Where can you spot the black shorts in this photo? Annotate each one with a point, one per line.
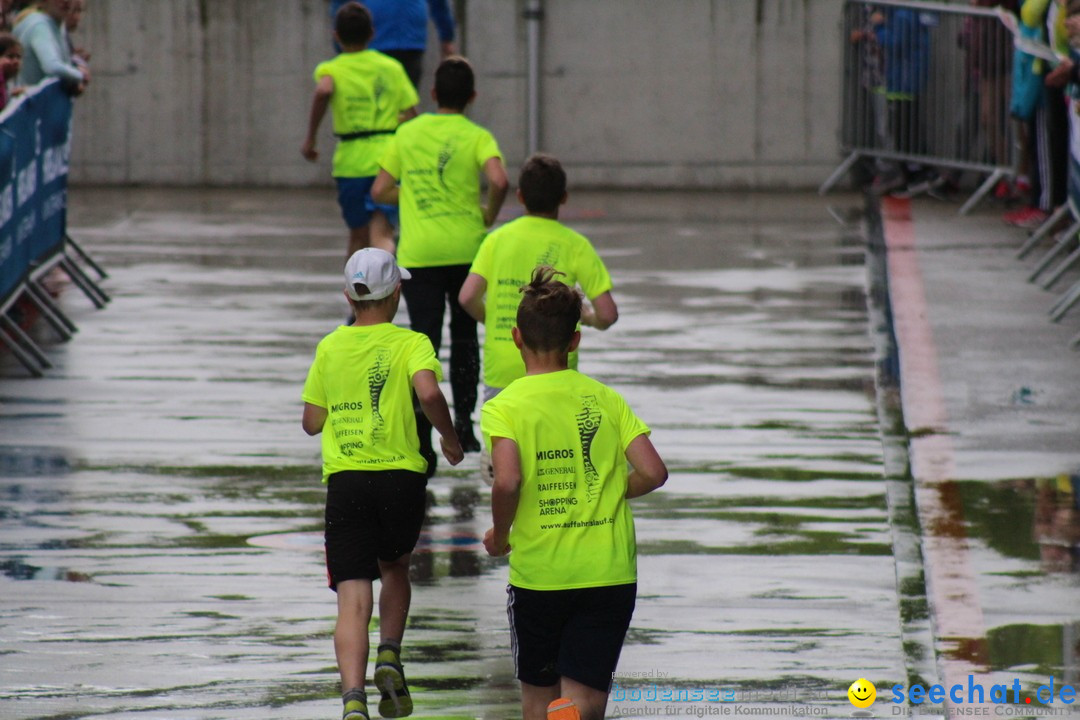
(371, 516)
(569, 633)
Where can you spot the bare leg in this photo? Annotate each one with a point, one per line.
(394, 598)
(358, 238)
(590, 702)
(351, 632)
(535, 700)
(382, 233)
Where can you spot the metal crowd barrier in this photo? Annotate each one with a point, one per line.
(35, 145)
(928, 84)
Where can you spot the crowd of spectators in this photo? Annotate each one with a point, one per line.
(1018, 88)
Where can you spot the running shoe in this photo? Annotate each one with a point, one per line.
(355, 710)
(563, 709)
(390, 679)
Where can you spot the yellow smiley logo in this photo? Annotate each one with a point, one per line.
(862, 693)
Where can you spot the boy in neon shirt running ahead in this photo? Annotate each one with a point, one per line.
(438, 159)
(507, 258)
(358, 394)
(368, 94)
(560, 443)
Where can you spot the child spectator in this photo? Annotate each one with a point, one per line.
(10, 60)
(439, 158)
(560, 443)
(507, 258)
(358, 394)
(368, 94)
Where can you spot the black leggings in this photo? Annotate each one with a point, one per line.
(426, 295)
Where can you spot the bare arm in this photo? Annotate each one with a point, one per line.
(603, 313)
(505, 493)
(407, 115)
(433, 403)
(471, 296)
(314, 419)
(319, 103)
(649, 471)
(385, 189)
(498, 185)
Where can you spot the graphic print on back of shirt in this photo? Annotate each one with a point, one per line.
(379, 90)
(377, 376)
(446, 154)
(588, 422)
(549, 258)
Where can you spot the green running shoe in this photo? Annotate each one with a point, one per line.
(355, 710)
(390, 679)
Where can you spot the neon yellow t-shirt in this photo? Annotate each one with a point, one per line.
(370, 91)
(573, 526)
(438, 157)
(363, 376)
(506, 260)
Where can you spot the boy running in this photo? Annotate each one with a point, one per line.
(358, 394)
(560, 442)
(506, 261)
(438, 159)
(368, 94)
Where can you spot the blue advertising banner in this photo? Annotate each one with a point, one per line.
(34, 159)
(12, 266)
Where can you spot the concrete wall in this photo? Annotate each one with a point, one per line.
(657, 93)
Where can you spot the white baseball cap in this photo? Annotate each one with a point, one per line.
(375, 268)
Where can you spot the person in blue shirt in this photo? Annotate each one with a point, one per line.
(401, 30)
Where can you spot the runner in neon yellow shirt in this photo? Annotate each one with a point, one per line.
(560, 442)
(359, 396)
(438, 159)
(368, 94)
(506, 261)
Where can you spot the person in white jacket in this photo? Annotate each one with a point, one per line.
(46, 49)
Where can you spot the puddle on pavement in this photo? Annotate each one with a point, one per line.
(766, 563)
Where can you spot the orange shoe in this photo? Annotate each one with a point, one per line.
(563, 709)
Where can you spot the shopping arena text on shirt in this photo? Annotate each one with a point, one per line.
(974, 692)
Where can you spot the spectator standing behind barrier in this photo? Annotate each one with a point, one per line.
(7, 13)
(873, 126)
(989, 50)
(1048, 129)
(12, 11)
(904, 37)
(368, 95)
(401, 30)
(79, 55)
(10, 60)
(46, 52)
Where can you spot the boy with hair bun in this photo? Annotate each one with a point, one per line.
(560, 443)
(359, 395)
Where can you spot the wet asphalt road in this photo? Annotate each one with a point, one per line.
(160, 507)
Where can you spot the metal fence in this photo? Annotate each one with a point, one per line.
(928, 84)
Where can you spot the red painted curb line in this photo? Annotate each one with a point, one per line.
(952, 591)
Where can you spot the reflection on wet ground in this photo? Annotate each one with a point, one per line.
(162, 466)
